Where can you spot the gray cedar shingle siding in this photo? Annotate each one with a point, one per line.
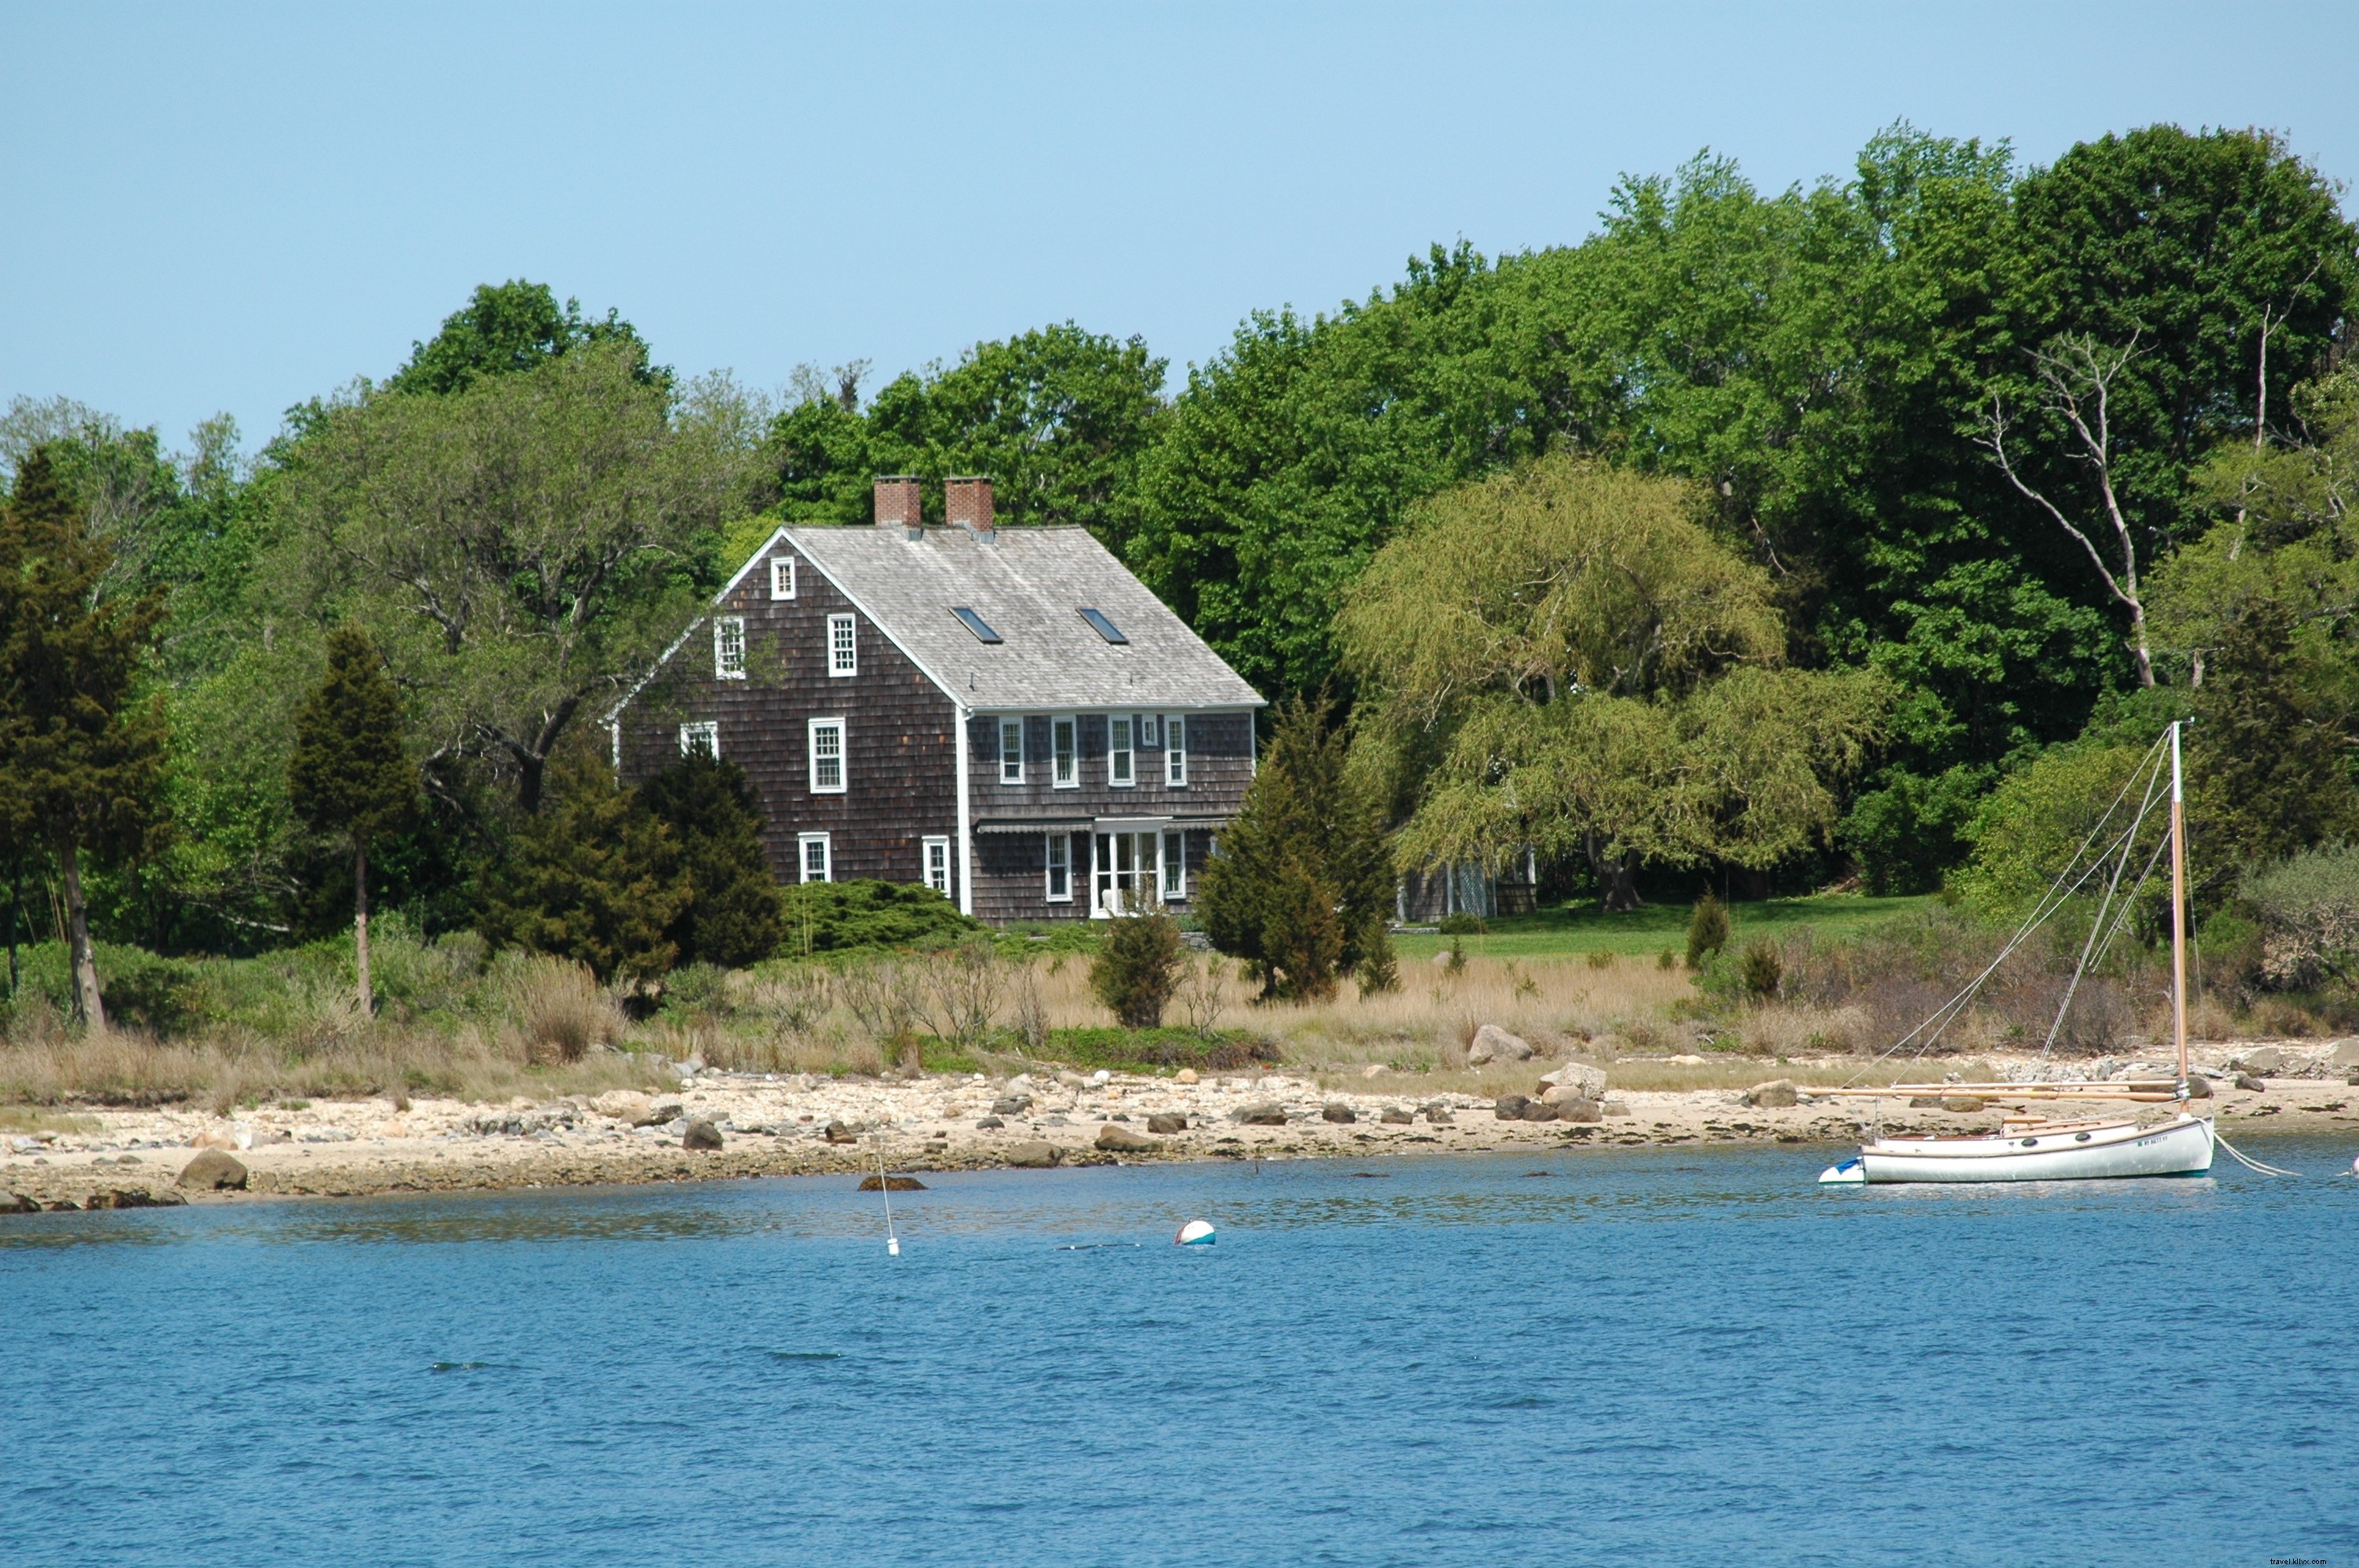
(915, 658)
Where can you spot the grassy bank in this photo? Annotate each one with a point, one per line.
(1582, 927)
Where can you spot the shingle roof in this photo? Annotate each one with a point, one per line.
(1030, 584)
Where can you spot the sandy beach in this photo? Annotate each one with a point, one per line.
(796, 1125)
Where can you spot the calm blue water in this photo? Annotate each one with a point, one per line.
(1640, 1358)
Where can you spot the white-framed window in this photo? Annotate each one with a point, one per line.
(1175, 866)
(729, 647)
(1145, 731)
(1119, 771)
(1011, 750)
(1061, 868)
(1175, 751)
(815, 857)
(843, 645)
(1125, 871)
(701, 739)
(1065, 752)
(782, 577)
(827, 762)
(936, 855)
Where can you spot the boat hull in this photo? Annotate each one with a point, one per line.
(2181, 1148)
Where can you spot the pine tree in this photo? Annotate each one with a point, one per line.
(593, 877)
(81, 752)
(349, 775)
(1300, 886)
(2267, 749)
(715, 820)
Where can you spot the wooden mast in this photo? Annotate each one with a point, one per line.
(2177, 912)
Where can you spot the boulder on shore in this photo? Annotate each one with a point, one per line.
(2268, 1059)
(1338, 1112)
(662, 1114)
(1262, 1113)
(1397, 1116)
(700, 1134)
(212, 1172)
(1579, 1110)
(1493, 1043)
(1772, 1096)
(892, 1184)
(988, 1123)
(1034, 1155)
(2198, 1087)
(2246, 1081)
(1167, 1122)
(837, 1132)
(1961, 1102)
(2347, 1054)
(1574, 1080)
(1615, 1107)
(1123, 1140)
(1510, 1107)
(1538, 1110)
(1011, 1105)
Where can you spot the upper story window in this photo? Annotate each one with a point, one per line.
(1175, 751)
(1011, 750)
(827, 756)
(701, 739)
(1118, 751)
(782, 577)
(729, 647)
(843, 645)
(1064, 752)
(974, 624)
(1103, 627)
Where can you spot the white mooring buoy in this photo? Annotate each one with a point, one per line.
(1195, 1233)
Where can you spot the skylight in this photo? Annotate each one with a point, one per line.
(976, 624)
(1103, 627)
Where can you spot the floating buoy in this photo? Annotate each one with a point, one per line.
(1195, 1233)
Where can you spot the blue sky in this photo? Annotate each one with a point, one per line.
(236, 207)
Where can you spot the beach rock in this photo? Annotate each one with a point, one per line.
(1771, 1095)
(1962, 1103)
(1338, 1112)
(1924, 1102)
(987, 1123)
(1493, 1043)
(2266, 1060)
(1071, 1080)
(660, 1115)
(135, 1197)
(1034, 1155)
(17, 1203)
(1168, 1122)
(1397, 1116)
(1510, 1107)
(1184, 1075)
(1575, 1078)
(1122, 1140)
(836, 1133)
(2246, 1081)
(1438, 1116)
(213, 1138)
(2198, 1087)
(1262, 1113)
(892, 1184)
(700, 1134)
(1538, 1110)
(1011, 1105)
(2345, 1053)
(213, 1170)
(623, 1105)
(1614, 1107)
(1577, 1109)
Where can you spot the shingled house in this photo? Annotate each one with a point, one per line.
(1007, 715)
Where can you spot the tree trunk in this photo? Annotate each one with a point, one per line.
(87, 1000)
(360, 927)
(1617, 876)
(16, 908)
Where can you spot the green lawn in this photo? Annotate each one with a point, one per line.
(1581, 927)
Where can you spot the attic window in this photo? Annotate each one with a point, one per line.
(974, 624)
(1103, 627)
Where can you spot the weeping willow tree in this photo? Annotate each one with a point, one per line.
(1566, 657)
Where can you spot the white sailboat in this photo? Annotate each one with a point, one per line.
(2028, 1147)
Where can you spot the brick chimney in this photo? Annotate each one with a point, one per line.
(966, 504)
(898, 504)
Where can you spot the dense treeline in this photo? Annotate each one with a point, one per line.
(1934, 486)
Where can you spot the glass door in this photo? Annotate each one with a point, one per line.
(1127, 871)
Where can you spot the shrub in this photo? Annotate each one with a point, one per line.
(1760, 968)
(837, 918)
(1379, 967)
(1462, 924)
(563, 1009)
(1666, 958)
(2308, 910)
(1707, 930)
(962, 989)
(1138, 968)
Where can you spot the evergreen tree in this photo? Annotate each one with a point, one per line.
(348, 774)
(714, 818)
(81, 752)
(593, 878)
(1302, 886)
(2269, 775)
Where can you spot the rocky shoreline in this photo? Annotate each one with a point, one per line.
(717, 1125)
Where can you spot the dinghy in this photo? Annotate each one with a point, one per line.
(2029, 1148)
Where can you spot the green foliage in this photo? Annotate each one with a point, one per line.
(593, 879)
(1300, 885)
(1760, 968)
(1907, 830)
(1462, 924)
(1138, 967)
(714, 817)
(2029, 828)
(1058, 419)
(1164, 1048)
(515, 326)
(2308, 907)
(2270, 747)
(846, 916)
(348, 774)
(1707, 930)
